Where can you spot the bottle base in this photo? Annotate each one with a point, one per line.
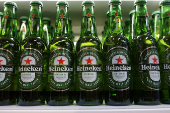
(89, 103)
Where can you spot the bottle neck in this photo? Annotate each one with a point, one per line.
(9, 22)
(88, 26)
(156, 26)
(23, 29)
(115, 19)
(141, 20)
(35, 21)
(132, 26)
(165, 19)
(62, 24)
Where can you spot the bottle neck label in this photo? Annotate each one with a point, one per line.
(89, 69)
(6, 68)
(30, 70)
(118, 68)
(23, 30)
(60, 69)
(149, 69)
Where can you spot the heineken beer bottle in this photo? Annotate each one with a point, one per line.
(89, 60)
(146, 70)
(31, 69)
(132, 23)
(127, 29)
(156, 25)
(1, 16)
(116, 51)
(47, 32)
(164, 51)
(9, 48)
(61, 61)
(23, 30)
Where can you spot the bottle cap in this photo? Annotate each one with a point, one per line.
(23, 18)
(88, 2)
(36, 2)
(164, 2)
(11, 3)
(131, 12)
(155, 12)
(62, 3)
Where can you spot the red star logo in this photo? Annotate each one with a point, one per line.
(117, 20)
(89, 60)
(146, 14)
(23, 29)
(88, 15)
(0, 61)
(91, 24)
(119, 60)
(116, 14)
(27, 61)
(169, 13)
(62, 16)
(154, 60)
(6, 16)
(32, 16)
(61, 61)
(59, 26)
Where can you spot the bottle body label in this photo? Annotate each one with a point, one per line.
(118, 68)
(31, 69)
(6, 68)
(166, 66)
(89, 69)
(149, 69)
(60, 69)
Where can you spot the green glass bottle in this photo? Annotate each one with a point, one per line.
(1, 16)
(151, 26)
(47, 30)
(89, 60)
(70, 29)
(116, 51)
(105, 32)
(164, 50)
(60, 89)
(9, 48)
(132, 25)
(127, 28)
(31, 70)
(52, 32)
(156, 25)
(146, 70)
(23, 30)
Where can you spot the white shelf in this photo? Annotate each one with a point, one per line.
(86, 109)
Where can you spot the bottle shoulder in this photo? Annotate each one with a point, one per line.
(88, 41)
(164, 41)
(116, 40)
(33, 42)
(144, 40)
(61, 42)
(8, 42)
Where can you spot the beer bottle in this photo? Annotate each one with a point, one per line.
(23, 30)
(52, 32)
(61, 61)
(151, 26)
(127, 28)
(1, 16)
(146, 70)
(132, 22)
(89, 60)
(164, 50)
(9, 48)
(31, 69)
(105, 32)
(47, 30)
(156, 25)
(70, 29)
(118, 81)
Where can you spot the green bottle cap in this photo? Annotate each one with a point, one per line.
(1, 14)
(155, 12)
(138, 1)
(127, 21)
(23, 18)
(164, 2)
(62, 3)
(114, 1)
(46, 19)
(131, 12)
(11, 3)
(88, 2)
(36, 2)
